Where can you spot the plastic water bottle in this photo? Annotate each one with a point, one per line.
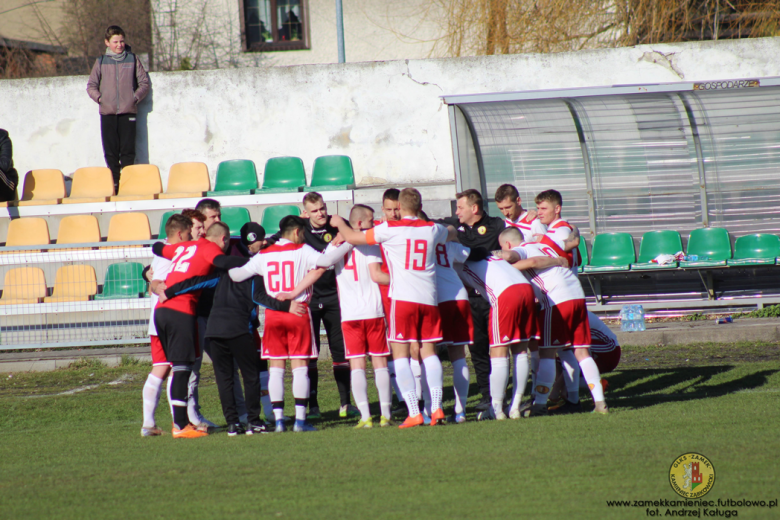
(640, 318)
(632, 318)
(626, 319)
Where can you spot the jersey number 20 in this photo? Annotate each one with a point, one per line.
(287, 273)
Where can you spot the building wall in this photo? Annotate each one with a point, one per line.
(38, 22)
(388, 116)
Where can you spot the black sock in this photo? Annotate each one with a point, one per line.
(179, 390)
(314, 379)
(341, 374)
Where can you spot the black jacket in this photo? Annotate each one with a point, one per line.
(482, 234)
(8, 175)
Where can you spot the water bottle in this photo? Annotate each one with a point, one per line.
(625, 321)
(691, 258)
(640, 318)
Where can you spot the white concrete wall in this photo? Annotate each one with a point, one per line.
(387, 116)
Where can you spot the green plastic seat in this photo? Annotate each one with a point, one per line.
(283, 174)
(713, 243)
(236, 177)
(654, 243)
(235, 217)
(163, 235)
(611, 252)
(272, 215)
(759, 249)
(333, 172)
(123, 280)
(583, 248)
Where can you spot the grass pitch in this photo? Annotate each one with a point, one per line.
(70, 448)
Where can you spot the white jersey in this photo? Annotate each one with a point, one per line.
(602, 340)
(555, 235)
(528, 227)
(282, 266)
(410, 250)
(359, 295)
(491, 277)
(160, 269)
(556, 284)
(448, 285)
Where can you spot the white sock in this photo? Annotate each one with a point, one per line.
(168, 384)
(417, 373)
(590, 371)
(520, 362)
(434, 375)
(460, 380)
(300, 389)
(382, 380)
(192, 400)
(276, 390)
(534, 367)
(426, 392)
(544, 381)
(265, 397)
(499, 375)
(391, 370)
(151, 396)
(403, 374)
(571, 374)
(360, 392)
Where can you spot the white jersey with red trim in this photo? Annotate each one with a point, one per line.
(555, 236)
(556, 284)
(359, 295)
(160, 269)
(602, 339)
(528, 227)
(448, 285)
(409, 245)
(283, 265)
(491, 277)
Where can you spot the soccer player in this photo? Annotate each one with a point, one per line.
(549, 204)
(175, 319)
(415, 322)
(509, 203)
(283, 266)
(564, 321)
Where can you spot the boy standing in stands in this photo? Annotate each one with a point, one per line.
(118, 82)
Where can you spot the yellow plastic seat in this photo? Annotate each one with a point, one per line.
(187, 179)
(139, 182)
(42, 188)
(27, 231)
(78, 229)
(74, 283)
(124, 227)
(92, 184)
(23, 285)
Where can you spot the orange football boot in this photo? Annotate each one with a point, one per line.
(437, 417)
(410, 421)
(188, 432)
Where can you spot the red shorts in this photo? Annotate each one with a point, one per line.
(513, 318)
(365, 337)
(607, 361)
(158, 354)
(565, 325)
(384, 291)
(411, 321)
(288, 336)
(457, 324)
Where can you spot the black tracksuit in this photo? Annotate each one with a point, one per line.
(483, 234)
(9, 178)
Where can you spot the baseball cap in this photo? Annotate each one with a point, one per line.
(251, 232)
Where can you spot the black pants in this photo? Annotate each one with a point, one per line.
(244, 350)
(329, 314)
(7, 192)
(480, 350)
(118, 134)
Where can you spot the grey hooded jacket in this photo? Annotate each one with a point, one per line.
(118, 86)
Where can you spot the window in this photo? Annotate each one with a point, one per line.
(275, 25)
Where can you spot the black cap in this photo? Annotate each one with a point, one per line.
(251, 232)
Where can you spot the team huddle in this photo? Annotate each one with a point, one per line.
(407, 287)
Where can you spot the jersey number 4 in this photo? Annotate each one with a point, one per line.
(416, 254)
(281, 275)
(349, 263)
(180, 261)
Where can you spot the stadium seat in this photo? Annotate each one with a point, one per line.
(583, 248)
(759, 249)
(272, 215)
(332, 172)
(123, 280)
(187, 179)
(654, 243)
(74, 283)
(236, 177)
(23, 285)
(713, 243)
(42, 188)
(27, 231)
(78, 229)
(611, 252)
(283, 174)
(139, 182)
(162, 234)
(94, 184)
(235, 218)
(124, 227)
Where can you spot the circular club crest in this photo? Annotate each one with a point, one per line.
(481, 230)
(327, 237)
(692, 475)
